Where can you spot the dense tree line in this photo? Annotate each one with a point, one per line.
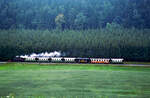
(80, 28)
(73, 14)
(131, 44)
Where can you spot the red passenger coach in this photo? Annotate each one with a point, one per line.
(100, 61)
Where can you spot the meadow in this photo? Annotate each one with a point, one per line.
(22, 80)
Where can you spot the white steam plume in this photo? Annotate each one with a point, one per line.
(46, 54)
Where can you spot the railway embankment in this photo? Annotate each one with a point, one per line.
(125, 64)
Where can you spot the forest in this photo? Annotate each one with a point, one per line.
(80, 28)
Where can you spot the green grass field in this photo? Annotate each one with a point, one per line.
(73, 81)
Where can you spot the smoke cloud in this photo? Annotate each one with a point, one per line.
(44, 54)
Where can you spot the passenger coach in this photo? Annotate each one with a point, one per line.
(98, 60)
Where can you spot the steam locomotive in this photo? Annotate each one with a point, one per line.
(70, 60)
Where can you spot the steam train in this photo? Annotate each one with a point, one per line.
(70, 60)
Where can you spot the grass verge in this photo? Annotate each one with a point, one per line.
(73, 81)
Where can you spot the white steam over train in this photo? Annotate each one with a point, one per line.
(54, 57)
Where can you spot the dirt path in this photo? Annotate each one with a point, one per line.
(146, 65)
(1, 63)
